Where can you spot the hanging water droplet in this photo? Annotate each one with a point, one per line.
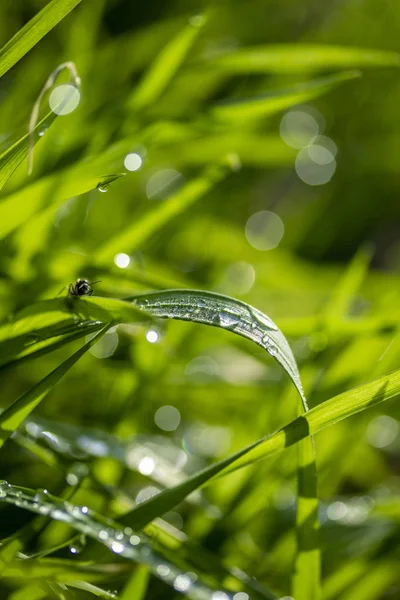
(4, 486)
(78, 545)
(43, 130)
(266, 340)
(102, 187)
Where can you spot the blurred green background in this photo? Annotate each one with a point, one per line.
(303, 224)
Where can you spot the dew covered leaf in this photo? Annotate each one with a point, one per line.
(227, 313)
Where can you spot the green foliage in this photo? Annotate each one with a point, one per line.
(144, 458)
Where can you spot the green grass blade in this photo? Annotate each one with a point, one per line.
(136, 587)
(324, 415)
(13, 156)
(269, 104)
(306, 578)
(13, 416)
(20, 206)
(29, 35)
(299, 58)
(165, 66)
(140, 231)
(227, 313)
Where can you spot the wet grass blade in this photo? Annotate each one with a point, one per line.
(226, 313)
(121, 541)
(262, 106)
(293, 58)
(13, 416)
(33, 31)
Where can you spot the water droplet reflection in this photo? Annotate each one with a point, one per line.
(264, 230)
(64, 99)
(122, 260)
(315, 165)
(298, 128)
(167, 418)
(133, 161)
(152, 336)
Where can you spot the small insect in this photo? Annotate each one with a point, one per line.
(81, 287)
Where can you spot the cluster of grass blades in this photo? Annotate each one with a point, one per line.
(236, 543)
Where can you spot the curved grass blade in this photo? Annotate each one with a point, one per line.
(299, 58)
(13, 416)
(227, 313)
(151, 222)
(318, 418)
(166, 65)
(268, 104)
(13, 156)
(33, 31)
(246, 321)
(122, 541)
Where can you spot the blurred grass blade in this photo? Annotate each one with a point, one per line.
(227, 313)
(13, 157)
(137, 585)
(141, 229)
(299, 58)
(20, 206)
(13, 416)
(29, 35)
(324, 415)
(275, 101)
(165, 66)
(346, 289)
(306, 578)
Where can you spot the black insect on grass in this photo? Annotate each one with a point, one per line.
(82, 287)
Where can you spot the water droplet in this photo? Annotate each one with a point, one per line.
(272, 349)
(263, 320)
(42, 131)
(31, 339)
(134, 540)
(78, 545)
(41, 496)
(163, 570)
(4, 486)
(266, 340)
(102, 187)
(227, 320)
(117, 547)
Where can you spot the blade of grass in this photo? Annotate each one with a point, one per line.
(165, 66)
(13, 416)
(13, 156)
(137, 585)
(140, 231)
(294, 58)
(275, 101)
(29, 35)
(318, 418)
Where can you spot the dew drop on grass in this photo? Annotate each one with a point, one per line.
(43, 130)
(78, 545)
(102, 187)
